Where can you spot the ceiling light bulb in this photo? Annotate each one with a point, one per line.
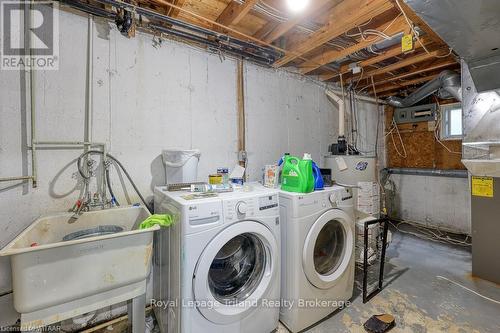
(297, 5)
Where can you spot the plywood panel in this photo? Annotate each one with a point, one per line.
(447, 160)
(422, 148)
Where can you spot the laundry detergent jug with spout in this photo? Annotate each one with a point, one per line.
(297, 175)
(318, 178)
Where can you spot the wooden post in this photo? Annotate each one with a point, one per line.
(241, 114)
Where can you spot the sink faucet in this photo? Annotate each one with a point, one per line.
(90, 203)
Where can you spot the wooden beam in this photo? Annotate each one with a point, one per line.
(400, 64)
(234, 12)
(389, 53)
(284, 27)
(441, 65)
(391, 28)
(344, 69)
(231, 30)
(265, 30)
(345, 16)
(403, 84)
(174, 12)
(240, 89)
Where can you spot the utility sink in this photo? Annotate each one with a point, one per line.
(64, 265)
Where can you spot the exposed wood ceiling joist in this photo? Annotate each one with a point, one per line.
(400, 85)
(284, 27)
(174, 12)
(336, 22)
(390, 28)
(266, 29)
(389, 53)
(400, 64)
(344, 17)
(440, 65)
(234, 12)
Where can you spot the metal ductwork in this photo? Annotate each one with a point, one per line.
(471, 28)
(447, 80)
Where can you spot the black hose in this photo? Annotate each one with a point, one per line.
(110, 189)
(98, 152)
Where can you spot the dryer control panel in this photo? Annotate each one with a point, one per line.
(250, 207)
(341, 198)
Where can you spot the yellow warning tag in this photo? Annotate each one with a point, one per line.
(407, 43)
(482, 186)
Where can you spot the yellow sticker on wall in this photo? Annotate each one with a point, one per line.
(482, 186)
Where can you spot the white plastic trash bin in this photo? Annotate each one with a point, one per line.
(181, 166)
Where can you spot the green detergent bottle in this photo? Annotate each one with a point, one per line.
(297, 174)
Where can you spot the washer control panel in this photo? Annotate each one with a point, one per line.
(241, 208)
(268, 202)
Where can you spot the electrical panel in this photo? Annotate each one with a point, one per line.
(415, 114)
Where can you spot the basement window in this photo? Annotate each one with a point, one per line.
(451, 121)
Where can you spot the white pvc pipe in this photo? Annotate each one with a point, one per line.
(90, 72)
(362, 97)
(340, 103)
(34, 165)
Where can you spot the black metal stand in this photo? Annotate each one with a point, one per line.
(384, 222)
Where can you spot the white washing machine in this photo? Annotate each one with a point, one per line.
(317, 255)
(216, 269)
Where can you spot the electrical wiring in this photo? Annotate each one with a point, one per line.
(377, 175)
(366, 23)
(416, 33)
(354, 119)
(370, 48)
(306, 27)
(361, 77)
(268, 10)
(437, 134)
(468, 289)
(427, 233)
(394, 128)
(373, 31)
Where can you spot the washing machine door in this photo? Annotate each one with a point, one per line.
(234, 271)
(328, 248)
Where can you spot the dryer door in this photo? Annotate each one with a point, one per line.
(328, 248)
(234, 271)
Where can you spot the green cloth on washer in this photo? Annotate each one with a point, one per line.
(163, 220)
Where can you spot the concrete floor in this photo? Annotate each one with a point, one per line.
(419, 300)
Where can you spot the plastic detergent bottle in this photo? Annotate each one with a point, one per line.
(283, 158)
(297, 175)
(318, 179)
(280, 164)
(306, 166)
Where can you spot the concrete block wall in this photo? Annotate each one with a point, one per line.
(145, 99)
(437, 201)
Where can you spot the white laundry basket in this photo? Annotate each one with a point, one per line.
(181, 166)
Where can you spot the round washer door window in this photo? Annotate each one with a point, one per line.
(328, 248)
(234, 271)
(237, 269)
